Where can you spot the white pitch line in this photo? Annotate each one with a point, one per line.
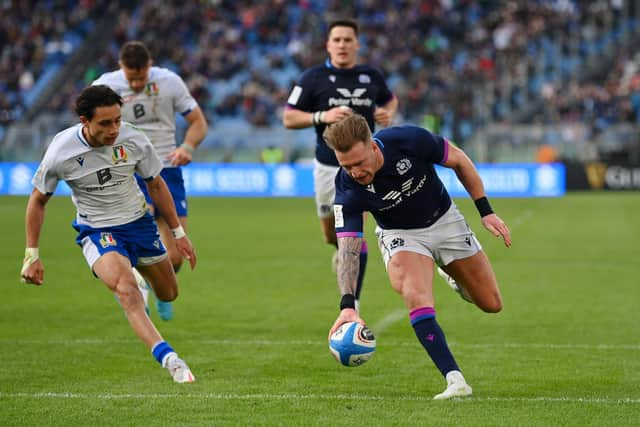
(296, 396)
(322, 342)
(394, 317)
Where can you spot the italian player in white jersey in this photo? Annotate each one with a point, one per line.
(98, 159)
(152, 96)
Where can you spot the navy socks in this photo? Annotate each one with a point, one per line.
(432, 338)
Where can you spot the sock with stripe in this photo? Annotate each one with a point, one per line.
(161, 351)
(432, 338)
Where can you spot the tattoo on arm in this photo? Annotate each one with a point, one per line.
(348, 263)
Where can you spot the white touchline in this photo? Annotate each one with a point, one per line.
(321, 341)
(296, 396)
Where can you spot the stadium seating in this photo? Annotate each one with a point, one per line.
(455, 66)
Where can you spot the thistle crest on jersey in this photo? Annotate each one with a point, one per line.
(403, 166)
(119, 154)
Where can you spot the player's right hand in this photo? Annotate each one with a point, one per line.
(336, 114)
(32, 272)
(186, 249)
(382, 116)
(346, 315)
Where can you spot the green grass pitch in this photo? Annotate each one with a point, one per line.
(252, 322)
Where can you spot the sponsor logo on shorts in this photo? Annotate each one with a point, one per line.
(396, 243)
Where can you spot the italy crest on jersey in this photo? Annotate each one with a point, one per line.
(119, 154)
(106, 239)
(151, 89)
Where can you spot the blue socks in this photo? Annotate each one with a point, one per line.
(161, 350)
(432, 338)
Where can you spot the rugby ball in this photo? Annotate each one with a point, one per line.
(352, 344)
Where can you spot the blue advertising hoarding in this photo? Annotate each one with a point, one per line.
(256, 180)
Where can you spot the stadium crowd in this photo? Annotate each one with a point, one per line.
(455, 66)
(36, 36)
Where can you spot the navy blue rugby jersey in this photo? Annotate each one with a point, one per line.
(323, 87)
(406, 193)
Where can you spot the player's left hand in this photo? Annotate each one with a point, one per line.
(346, 315)
(382, 116)
(186, 249)
(497, 227)
(180, 157)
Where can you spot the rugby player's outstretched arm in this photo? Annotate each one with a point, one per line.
(32, 268)
(348, 267)
(465, 171)
(348, 264)
(470, 179)
(163, 202)
(293, 118)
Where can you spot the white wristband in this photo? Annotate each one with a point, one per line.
(187, 147)
(178, 232)
(31, 255)
(318, 118)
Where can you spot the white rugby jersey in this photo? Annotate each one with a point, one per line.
(104, 189)
(153, 110)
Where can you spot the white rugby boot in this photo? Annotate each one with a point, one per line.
(456, 387)
(454, 285)
(178, 369)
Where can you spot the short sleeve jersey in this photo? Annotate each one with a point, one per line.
(154, 109)
(104, 189)
(406, 193)
(323, 87)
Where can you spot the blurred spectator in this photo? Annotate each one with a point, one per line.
(271, 155)
(466, 63)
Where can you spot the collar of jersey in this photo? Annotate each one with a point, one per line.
(81, 137)
(381, 146)
(330, 66)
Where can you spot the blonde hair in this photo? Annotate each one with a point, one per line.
(344, 134)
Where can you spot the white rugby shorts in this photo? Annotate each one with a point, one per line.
(324, 187)
(450, 238)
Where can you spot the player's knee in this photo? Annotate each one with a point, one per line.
(127, 294)
(492, 304)
(167, 295)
